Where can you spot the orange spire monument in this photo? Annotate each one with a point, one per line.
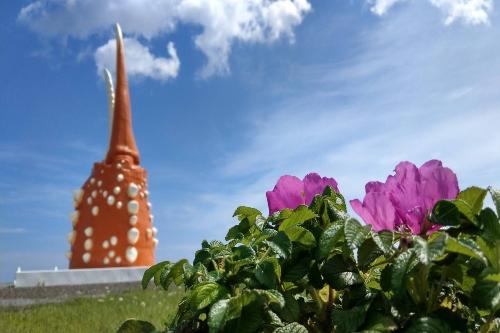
(112, 221)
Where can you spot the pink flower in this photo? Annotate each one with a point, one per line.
(291, 192)
(406, 199)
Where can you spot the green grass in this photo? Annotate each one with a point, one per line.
(96, 315)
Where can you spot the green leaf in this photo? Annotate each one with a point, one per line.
(271, 297)
(384, 240)
(228, 309)
(201, 256)
(291, 311)
(206, 293)
(217, 315)
(281, 245)
(428, 325)
(301, 235)
(466, 210)
(243, 252)
(234, 233)
(273, 319)
(355, 233)
(466, 247)
(490, 224)
(339, 273)
(329, 239)
(296, 270)
(291, 328)
(244, 211)
(486, 293)
(495, 195)
(250, 320)
(474, 197)
(428, 251)
(175, 274)
(244, 312)
(368, 252)
(298, 216)
(347, 321)
(151, 271)
(436, 245)
(268, 272)
(490, 251)
(399, 270)
(265, 234)
(136, 326)
(445, 213)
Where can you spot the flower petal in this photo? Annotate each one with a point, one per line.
(377, 210)
(288, 193)
(375, 187)
(438, 183)
(314, 185)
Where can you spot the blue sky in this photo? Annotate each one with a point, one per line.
(249, 90)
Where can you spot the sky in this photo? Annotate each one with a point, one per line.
(227, 96)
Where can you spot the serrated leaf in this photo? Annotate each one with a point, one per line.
(234, 233)
(490, 225)
(490, 251)
(268, 272)
(340, 274)
(445, 213)
(466, 210)
(243, 252)
(264, 234)
(495, 196)
(428, 251)
(271, 296)
(281, 245)
(355, 233)
(329, 239)
(398, 271)
(301, 235)
(474, 197)
(136, 326)
(291, 328)
(273, 319)
(174, 274)
(384, 240)
(367, 253)
(244, 211)
(206, 293)
(298, 216)
(466, 247)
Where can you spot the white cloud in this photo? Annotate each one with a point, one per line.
(380, 7)
(223, 22)
(139, 60)
(411, 96)
(469, 11)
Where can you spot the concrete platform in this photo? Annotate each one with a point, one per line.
(64, 277)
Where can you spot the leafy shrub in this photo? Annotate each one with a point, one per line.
(315, 269)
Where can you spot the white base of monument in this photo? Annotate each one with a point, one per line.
(64, 277)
